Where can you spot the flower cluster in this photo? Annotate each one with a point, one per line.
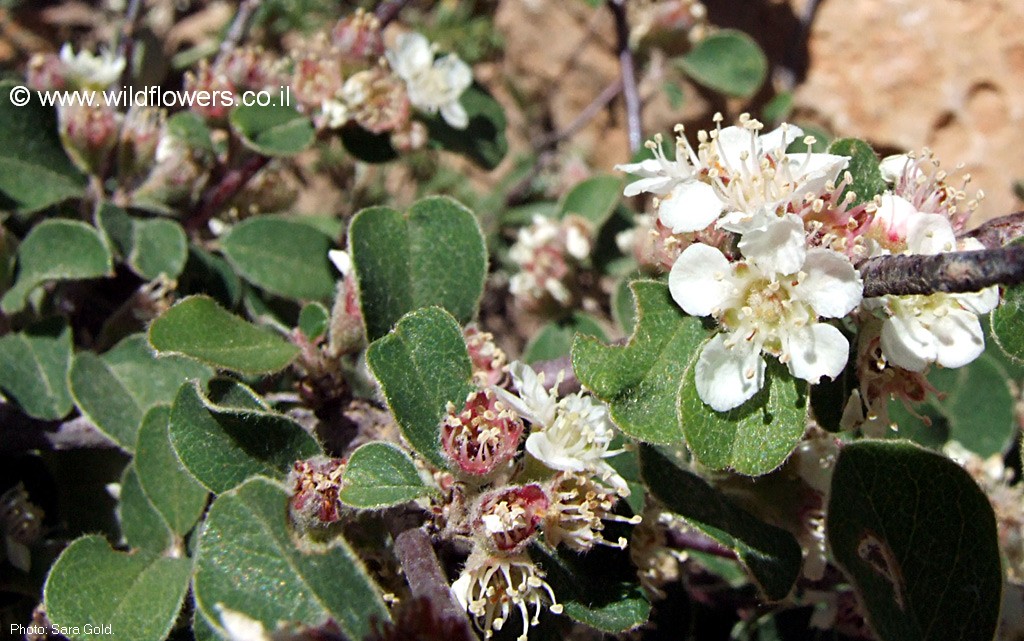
(570, 494)
(763, 240)
(549, 254)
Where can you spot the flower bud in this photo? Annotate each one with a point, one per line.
(89, 134)
(378, 100)
(315, 484)
(508, 519)
(358, 37)
(482, 436)
(490, 365)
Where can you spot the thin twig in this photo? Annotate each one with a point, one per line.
(426, 579)
(239, 26)
(388, 11)
(219, 195)
(953, 272)
(586, 115)
(126, 38)
(999, 231)
(627, 70)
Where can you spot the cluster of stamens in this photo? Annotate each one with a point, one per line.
(482, 436)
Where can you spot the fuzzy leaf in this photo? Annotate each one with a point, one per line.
(593, 199)
(422, 366)
(159, 246)
(34, 170)
(282, 256)
(138, 595)
(432, 255)
(223, 446)
(1006, 322)
(640, 381)
(34, 367)
(57, 249)
(917, 538)
(314, 320)
(379, 474)
(771, 554)
(272, 130)
(867, 177)
(727, 61)
(246, 535)
(142, 527)
(199, 328)
(483, 140)
(171, 489)
(116, 390)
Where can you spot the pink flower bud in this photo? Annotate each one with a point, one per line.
(358, 37)
(46, 73)
(508, 518)
(490, 365)
(89, 134)
(482, 436)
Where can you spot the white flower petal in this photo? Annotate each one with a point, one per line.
(701, 280)
(551, 455)
(893, 214)
(341, 260)
(733, 144)
(780, 137)
(455, 114)
(815, 351)
(892, 167)
(456, 73)
(534, 403)
(958, 338)
(657, 185)
(981, 302)
(907, 343)
(412, 55)
(832, 286)
(690, 206)
(646, 168)
(780, 248)
(728, 377)
(930, 234)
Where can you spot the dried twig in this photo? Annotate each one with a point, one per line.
(426, 579)
(952, 272)
(586, 115)
(239, 26)
(21, 433)
(227, 188)
(627, 69)
(126, 38)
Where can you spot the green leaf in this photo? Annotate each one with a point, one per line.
(756, 437)
(57, 249)
(223, 446)
(34, 170)
(273, 130)
(595, 589)
(171, 489)
(379, 474)
(117, 389)
(433, 255)
(142, 527)
(198, 328)
(867, 177)
(314, 320)
(917, 538)
(1006, 322)
(483, 140)
(554, 339)
(973, 406)
(137, 595)
(623, 304)
(594, 199)
(640, 380)
(190, 128)
(34, 367)
(211, 275)
(727, 61)
(771, 554)
(422, 366)
(246, 536)
(159, 246)
(282, 256)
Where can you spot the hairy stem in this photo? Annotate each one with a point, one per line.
(627, 70)
(227, 188)
(426, 579)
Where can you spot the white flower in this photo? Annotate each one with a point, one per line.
(490, 586)
(763, 310)
(571, 434)
(341, 260)
(334, 114)
(433, 84)
(92, 71)
(937, 328)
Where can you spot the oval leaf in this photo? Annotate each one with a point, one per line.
(223, 446)
(433, 255)
(34, 368)
(199, 328)
(756, 437)
(483, 140)
(867, 177)
(727, 61)
(771, 554)
(275, 130)
(142, 527)
(378, 475)
(917, 538)
(57, 249)
(283, 257)
(34, 170)
(594, 199)
(246, 536)
(422, 366)
(178, 497)
(159, 246)
(640, 381)
(98, 593)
